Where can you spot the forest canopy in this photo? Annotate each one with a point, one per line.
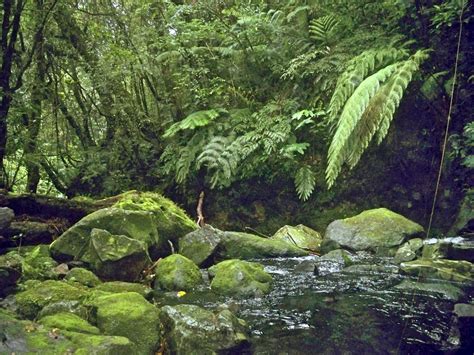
(106, 95)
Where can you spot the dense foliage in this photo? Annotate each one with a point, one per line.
(102, 96)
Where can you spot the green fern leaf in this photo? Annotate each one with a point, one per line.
(305, 180)
(194, 120)
(368, 112)
(320, 29)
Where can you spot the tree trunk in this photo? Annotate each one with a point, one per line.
(35, 117)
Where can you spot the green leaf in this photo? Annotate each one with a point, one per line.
(305, 180)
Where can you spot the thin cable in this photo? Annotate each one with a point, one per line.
(443, 154)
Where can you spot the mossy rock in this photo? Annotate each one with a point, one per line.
(121, 286)
(83, 276)
(10, 272)
(68, 321)
(236, 245)
(201, 245)
(373, 230)
(172, 222)
(443, 269)
(31, 301)
(130, 315)
(26, 337)
(176, 273)
(190, 329)
(71, 307)
(39, 265)
(116, 257)
(240, 278)
(300, 236)
(409, 250)
(74, 244)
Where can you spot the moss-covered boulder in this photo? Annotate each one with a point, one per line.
(68, 321)
(39, 265)
(130, 315)
(378, 230)
(176, 273)
(31, 301)
(171, 221)
(26, 337)
(409, 250)
(334, 261)
(116, 257)
(236, 245)
(201, 245)
(72, 307)
(10, 272)
(301, 236)
(83, 276)
(120, 287)
(240, 278)
(74, 244)
(444, 269)
(190, 329)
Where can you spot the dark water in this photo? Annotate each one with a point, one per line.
(339, 312)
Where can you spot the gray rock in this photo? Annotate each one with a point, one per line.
(300, 236)
(409, 250)
(373, 230)
(201, 245)
(464, 310)
(6, 217)
(190, 329)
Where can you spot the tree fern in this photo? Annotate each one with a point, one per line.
(321, 29)
(368, 110)
(358, 69)
(305, 181)
(194, 120)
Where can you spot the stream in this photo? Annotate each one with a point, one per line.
(338, 312)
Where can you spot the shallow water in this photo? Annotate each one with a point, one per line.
(338, 312)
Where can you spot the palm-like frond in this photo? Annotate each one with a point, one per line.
(305, 180)
(194, 120)
(368, 112)
(320, 29)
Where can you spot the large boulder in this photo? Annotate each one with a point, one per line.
(26, 337)
(176, 273)
(209, 245)
(240, 278)
(74, 244)
(201, 245)
(301, 236)
(190, 329)
(237, 245)
(171, 221)
(378, 230)
(450, 270)
(31, 301)
(6, 217)
(116, 257)
(130, 315)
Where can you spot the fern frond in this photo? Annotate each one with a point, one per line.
(320, 29)
(305, 180)
(357, 70)
(368, 113)
(194, 120)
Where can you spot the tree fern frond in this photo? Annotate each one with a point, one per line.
(320, 29)
(194, 120)
(305, 180)
(357, 70)
(368, 112)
